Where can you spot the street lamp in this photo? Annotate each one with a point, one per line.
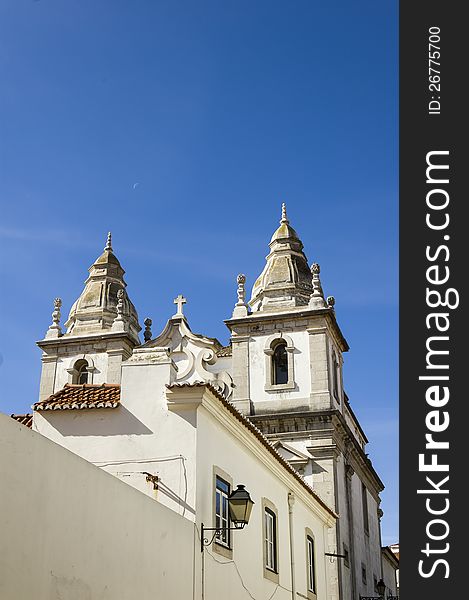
(240, 507)
(381, 587)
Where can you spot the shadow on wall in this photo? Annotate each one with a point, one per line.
(316, 469)
(101, 422)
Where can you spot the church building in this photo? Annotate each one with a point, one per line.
(185, 419)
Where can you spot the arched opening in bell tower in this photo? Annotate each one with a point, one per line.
(280, 364)
(82, 374)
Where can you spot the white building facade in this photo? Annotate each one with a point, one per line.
(185, 420)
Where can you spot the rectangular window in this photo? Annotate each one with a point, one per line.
(311, 568)
(366, 526)
(270, 529)
(222, 517)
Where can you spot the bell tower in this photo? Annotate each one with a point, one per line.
(287, 345)
(287, 350)
(102, 330)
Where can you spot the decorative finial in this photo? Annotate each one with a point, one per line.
(241, 308)
(317, 297)
(108, 246)
(180, 301)
(54, 329)
(241, 291)
(120, 305)
(120, 301)
(284, 218)
(147, 333)
(119, 322)
(330, 301)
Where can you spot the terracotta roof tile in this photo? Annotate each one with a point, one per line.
(24, 419)
(225, 351)
(73, 396)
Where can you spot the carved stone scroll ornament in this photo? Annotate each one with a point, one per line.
(190, 364)
(223, 383)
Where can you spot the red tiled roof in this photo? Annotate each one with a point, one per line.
(24, 419)
(225, 351)
(87, 395)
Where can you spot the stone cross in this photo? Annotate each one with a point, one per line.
(180, 301)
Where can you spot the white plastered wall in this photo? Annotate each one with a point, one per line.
(73, 532)
(217, 447)
(139, 437)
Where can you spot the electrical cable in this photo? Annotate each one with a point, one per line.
(138, 461)
(227, 562)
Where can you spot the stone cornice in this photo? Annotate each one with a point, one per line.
(360, 461)
(354, 417)
(292, 314)
(340, 433)
(85, 339)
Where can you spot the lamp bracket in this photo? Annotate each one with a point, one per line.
(216, 531)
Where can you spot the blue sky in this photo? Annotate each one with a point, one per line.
(181, 126)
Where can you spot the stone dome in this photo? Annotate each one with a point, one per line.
(286, 279)
(96, 308)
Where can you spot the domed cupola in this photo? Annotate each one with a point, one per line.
(96, 308)
(286, 279)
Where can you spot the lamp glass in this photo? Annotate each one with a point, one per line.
(240, 506)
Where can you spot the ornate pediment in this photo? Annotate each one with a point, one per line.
(194, 355)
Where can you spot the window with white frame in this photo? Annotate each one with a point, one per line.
(270, 535)
(222, 517)
(279, 365)
(311, 564)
